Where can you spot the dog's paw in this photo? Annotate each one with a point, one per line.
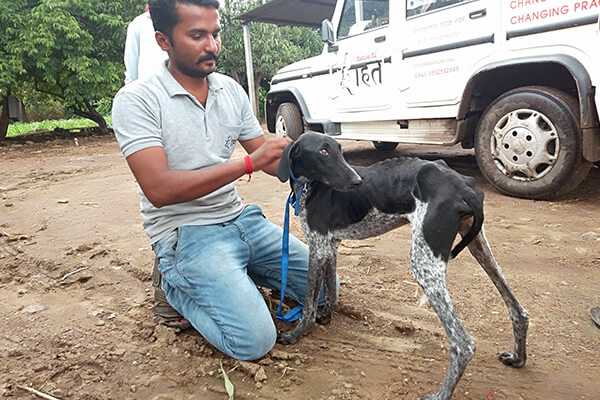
(323, 318)
(287, 337)
(430, 397)
(509, 358)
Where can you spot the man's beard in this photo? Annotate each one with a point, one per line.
(194, 71)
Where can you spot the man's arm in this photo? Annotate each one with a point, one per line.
(164, 186)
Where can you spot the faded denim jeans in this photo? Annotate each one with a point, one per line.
(209, 274)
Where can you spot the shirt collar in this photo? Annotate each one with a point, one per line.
(173, 87)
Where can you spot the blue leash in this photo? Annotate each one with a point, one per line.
(294, 201)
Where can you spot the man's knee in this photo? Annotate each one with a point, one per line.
(256, 342)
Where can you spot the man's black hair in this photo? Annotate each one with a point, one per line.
(165, 17)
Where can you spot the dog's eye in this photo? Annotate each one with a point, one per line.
(324, 152)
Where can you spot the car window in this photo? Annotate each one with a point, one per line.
(419, 7)
(363, 15)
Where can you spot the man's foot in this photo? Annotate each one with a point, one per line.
(595, 314)
(164, 314)
(181, 324)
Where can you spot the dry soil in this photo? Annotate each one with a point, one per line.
(76, 294)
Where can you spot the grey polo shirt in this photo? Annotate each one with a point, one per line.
(158, 111)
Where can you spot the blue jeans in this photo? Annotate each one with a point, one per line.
(209, 274)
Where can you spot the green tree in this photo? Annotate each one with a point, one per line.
(68, 49)
(272, 47)
(72, 50)
(11, 21)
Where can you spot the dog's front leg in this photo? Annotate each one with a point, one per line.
(330, 284)
(314, 282)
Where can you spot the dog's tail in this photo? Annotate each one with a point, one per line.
(474, 199)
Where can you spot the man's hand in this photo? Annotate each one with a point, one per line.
(265, 154)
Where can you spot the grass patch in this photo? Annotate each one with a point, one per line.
(21, 128)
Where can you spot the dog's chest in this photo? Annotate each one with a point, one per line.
(374, 223)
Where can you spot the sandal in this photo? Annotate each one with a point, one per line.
(164, 314)
(595, 314)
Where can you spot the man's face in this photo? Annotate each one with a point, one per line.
(196, 41)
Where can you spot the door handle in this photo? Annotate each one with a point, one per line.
(478, 14)
(380, 39)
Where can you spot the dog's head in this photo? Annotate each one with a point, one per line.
(318, 157)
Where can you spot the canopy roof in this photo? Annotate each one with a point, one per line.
(291, 12)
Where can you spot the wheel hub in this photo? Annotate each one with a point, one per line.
(280, 129)
(519, 146)
(524, 145)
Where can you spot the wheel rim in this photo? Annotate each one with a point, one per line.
(524, 145)
(280, 128)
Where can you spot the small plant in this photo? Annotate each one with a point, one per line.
(228, 385)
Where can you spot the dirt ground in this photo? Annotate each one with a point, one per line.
(76, 320)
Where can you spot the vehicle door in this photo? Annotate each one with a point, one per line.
(446, 42)
(363, 62)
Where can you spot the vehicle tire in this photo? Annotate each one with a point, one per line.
(528, 143)
(288, 121)
(385, 146)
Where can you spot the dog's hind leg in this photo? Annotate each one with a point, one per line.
(430, 273)
(480, 249)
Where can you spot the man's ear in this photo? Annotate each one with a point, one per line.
(283, 171)
(162, 40)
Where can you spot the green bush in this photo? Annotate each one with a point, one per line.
(262, 94)
(44, 109)
(21, 128)
(40, 106)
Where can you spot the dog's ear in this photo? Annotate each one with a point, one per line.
(283, 171)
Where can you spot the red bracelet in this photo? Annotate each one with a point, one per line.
(248, 167)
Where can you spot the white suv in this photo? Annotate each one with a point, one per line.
(515, 79)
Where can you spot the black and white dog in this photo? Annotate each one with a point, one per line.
(345, 202)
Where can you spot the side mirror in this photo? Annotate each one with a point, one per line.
(327, 34)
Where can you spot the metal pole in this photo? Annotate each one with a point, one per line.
(250, 70)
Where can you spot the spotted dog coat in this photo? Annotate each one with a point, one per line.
(344, 202)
